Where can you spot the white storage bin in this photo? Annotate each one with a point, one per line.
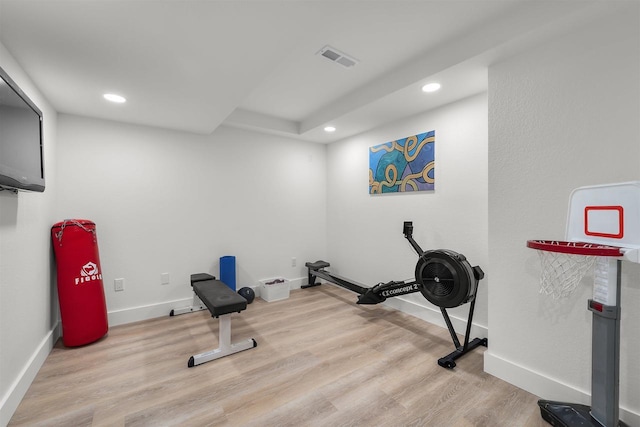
(274, 289)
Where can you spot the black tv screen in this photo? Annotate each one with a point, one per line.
(21, 156)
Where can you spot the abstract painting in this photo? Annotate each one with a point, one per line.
(403, 165)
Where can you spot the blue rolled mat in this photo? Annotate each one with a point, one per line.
(228, 271)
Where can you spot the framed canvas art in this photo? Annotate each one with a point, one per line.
(403, 165)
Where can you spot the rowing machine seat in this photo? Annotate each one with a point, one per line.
(318, 265)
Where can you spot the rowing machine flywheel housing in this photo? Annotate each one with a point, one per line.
(446, 278)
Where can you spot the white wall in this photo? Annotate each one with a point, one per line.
(561, 116)
(28, 305)
(173, 202)
(365, 231)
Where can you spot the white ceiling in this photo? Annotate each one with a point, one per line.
(194, 65)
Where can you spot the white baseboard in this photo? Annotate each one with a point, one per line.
(145, 312)
(18, 389)
(543, 386)
(293, 284)
(433, 315)
(151, 311)
(296, 283)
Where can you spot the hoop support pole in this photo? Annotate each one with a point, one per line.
(605, 354)
(605, 368)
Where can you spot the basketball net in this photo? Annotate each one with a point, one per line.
(562, 272)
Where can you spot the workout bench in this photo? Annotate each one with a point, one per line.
(221, 302)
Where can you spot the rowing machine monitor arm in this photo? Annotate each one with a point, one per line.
(407, 230)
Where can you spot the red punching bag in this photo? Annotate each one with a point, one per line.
(80, 291)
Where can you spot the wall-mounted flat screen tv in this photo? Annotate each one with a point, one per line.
(21, 156)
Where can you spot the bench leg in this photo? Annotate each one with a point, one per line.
(196, 305)
(225, 347)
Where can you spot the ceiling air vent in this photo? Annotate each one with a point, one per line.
(338, 57)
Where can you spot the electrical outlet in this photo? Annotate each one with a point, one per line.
(294, 261)
(118, 285)
(164, 279)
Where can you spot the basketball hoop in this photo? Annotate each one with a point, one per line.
(564, 264)
(603, 229)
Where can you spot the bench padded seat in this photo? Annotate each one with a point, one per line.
(218, 297)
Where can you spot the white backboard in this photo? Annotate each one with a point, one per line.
(605, 214)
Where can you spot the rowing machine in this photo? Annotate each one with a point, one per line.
(445, 278)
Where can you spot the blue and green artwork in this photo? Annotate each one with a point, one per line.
(403, 165)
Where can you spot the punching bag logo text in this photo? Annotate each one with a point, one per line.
(88, 273)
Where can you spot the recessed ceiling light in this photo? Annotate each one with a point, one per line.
(329, 129)
(431, 87)
(114, 98)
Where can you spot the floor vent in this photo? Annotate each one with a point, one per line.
(338, 57)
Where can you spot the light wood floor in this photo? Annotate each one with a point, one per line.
(321, 360)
